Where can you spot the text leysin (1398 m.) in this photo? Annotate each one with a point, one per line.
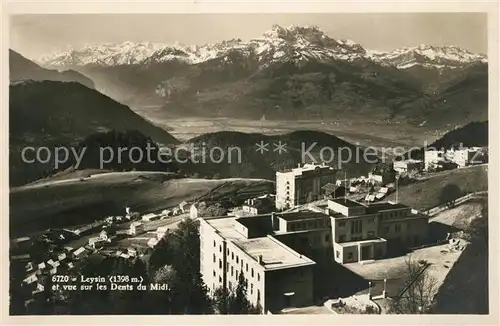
(100, 283)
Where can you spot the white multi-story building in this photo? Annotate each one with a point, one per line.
(273, 250)
(366, 232)
(465, 157)
(462, 157)
(302, 184)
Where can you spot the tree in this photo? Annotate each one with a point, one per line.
(449, 194)
(477, 229)
(18, 291)
(418, 297)
(181, 251)
(229, 301)
(213, 210)
(240, 304)
(161, 301)
(221, 299)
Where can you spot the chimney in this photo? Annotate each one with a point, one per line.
(259, 259)
(298, 165)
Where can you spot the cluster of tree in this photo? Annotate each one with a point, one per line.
(449, 194)
(121, 151)
(234, 301)
(477, 230)
(213, 210)
(384, 169)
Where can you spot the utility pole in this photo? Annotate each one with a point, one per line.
(397, 189)
(345, 186)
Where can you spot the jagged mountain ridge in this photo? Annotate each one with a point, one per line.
(297, 72)
(278, 44)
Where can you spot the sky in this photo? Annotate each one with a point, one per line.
(35, 36)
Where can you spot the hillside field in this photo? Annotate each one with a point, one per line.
(426, 194)
(70, 201)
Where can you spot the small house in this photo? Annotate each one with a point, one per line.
(149, 217)
(31, 278)
(29, 267)
(39, 288)
(79, 252)
(406, 166)
(370, 198)
(136, 228)
(61, 257)
(161, 231)
(152, 242)
(183, 207)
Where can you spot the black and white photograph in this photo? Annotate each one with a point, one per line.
(248, 164)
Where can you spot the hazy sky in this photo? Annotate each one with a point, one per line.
(37, 35)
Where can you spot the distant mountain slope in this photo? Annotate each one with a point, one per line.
(242, 157)
(472, 134)
(52, 113)
(21, 68)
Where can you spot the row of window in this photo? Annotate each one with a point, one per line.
(306, 240)
(369, 234)
(230, 284)
(238, 261)
(387, 228)
(320, 223)
(389, 215)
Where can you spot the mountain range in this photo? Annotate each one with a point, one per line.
(296, 72)
(278, 44)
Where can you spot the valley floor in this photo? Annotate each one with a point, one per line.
(366, 133)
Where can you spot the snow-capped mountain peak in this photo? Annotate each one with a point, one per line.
(293, 43)
(428, 56)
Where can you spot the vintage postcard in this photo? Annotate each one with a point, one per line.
(310, 166)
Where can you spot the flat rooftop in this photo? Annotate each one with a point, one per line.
(347, 202)
(308, 167)
(303, 214)
(355, 243)
(275, 255)
(409, 161)
(384, 206)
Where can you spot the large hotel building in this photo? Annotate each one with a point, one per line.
(302, 184)
(273, 251)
